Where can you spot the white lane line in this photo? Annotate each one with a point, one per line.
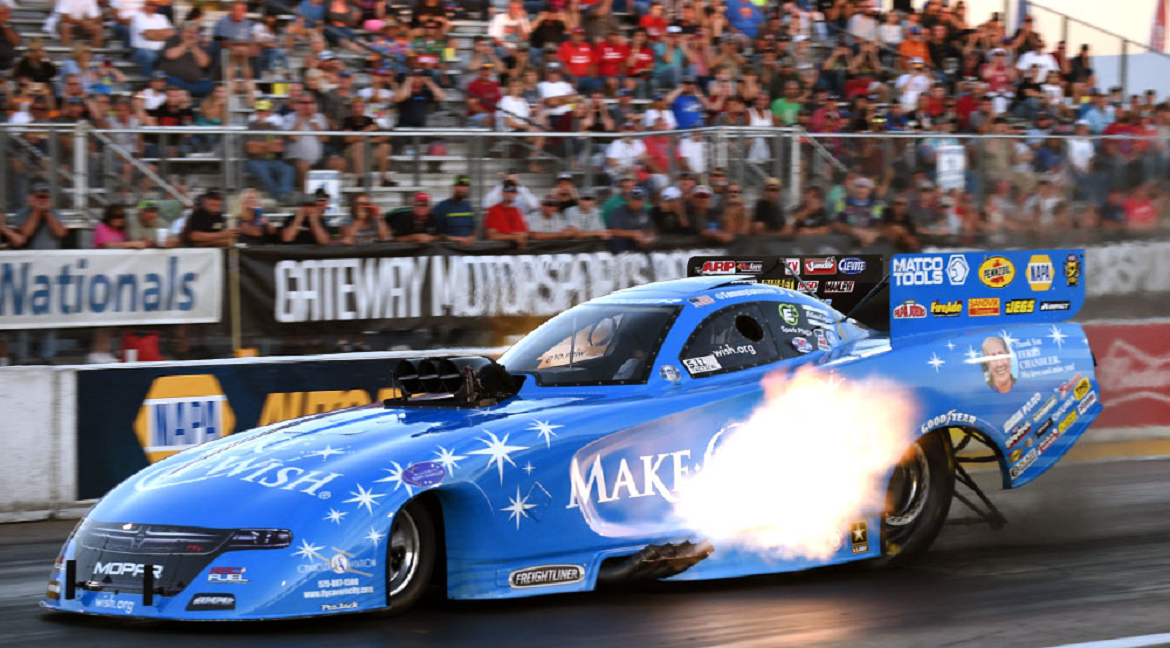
(1124, 642)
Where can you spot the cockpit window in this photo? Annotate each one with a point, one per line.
(729, 340)
(594, 344)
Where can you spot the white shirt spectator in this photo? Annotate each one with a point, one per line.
(653, 116)
(910, 86)
(509, 30)
(304, 147)
(626, 152)
(152, 99)
(516, 108)
(77, 9)
(1080, 154)
(585, 221)
(1053, 94)
(143, 22)
(863, 26)
(1043, 60)
(127, 8)
(549, 89)
(691, 150)
(539, 224)
(890, 35)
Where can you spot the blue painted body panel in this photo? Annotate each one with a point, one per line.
(573, 475)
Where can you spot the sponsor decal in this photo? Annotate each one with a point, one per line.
(1019, 307)
(1067, 422)
(851, 265)
(1040, 272)
(1063, 388)
(824, 265)
(703, 364)
(983, 307)
(717, 268)
(108, 601)
(211, 602)
(996, 272)
(1089, 401)
(1023, 464)
(749, 267)
(743, 292)
(859, 537)
(1015, 455)
(1018, 434)
(424, 474)
(804, 285)
(839, 286)
(285, 406)
(917, 270)
(131, 569)
(957, 270)
(1044, 410)
(1082, 388)
(802, 345)
(1054, 306)
(790, 314)
(342, 562)
(822, 343)
(252, 468)
(950, 418)
(227, 575)
(610, 479)
(728, 350)
(334, 587)
(1072, 270)
(180, 412)
(1043, 429)
(816, 316)
(701, 300)
(338, 607)
(546, 576)
(796, 330)
(793, 266)
(946, 309)
(909, 309)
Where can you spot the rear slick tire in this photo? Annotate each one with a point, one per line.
(918, 499)
(411, 550)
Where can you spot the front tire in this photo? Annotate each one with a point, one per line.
(918, 499)
(410, 556)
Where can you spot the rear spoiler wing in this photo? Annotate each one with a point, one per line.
(956, 291)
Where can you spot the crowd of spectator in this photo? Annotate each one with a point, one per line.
(636, 69)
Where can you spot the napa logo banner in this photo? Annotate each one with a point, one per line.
(180, 412)
(69, 288)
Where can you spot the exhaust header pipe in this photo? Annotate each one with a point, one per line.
(453, 382)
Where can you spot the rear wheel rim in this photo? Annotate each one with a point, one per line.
(403, 552)
(909, 490)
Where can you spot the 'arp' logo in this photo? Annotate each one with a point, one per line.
(717, 267)
(180, 412)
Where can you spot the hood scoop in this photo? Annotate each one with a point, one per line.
(452, 382)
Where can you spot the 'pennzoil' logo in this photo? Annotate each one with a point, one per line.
(180, 412)
(996, 272)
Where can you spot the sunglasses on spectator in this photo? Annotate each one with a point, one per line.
(41, 196)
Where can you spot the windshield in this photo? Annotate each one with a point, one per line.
(593, 344)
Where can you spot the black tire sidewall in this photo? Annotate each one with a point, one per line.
(940, 458)
(428, 549)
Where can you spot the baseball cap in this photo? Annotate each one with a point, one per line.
(577, 30)
(863, 182)
(629, 124)
(1082, 122)
(149, 205)
(702, 190)
(40, 187)
(214, 194)
(916, 61)
(588, 194)
(671, 193)
(550, 200)
(625, 92)
(326, 55)
(637, 193)
(159, 74)
(509, 188)
(462, 180)
(674, 29)
(772, 182)
(564, 176)
(262, 104)
(553, 66)
(345, 74)
(321, 194)
(422, 198)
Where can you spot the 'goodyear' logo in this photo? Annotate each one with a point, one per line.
(996, 272)
(180, 412)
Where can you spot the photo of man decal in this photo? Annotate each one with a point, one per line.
(1000, 368)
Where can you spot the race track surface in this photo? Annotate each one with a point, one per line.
(1085, 557)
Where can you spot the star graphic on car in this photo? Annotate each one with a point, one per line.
(375, 537)
(309, 550)
(448, 459)
(1057, 337)
(497, 451)
(335, 516)
(326, 453)
(545, 431)
(395, 477)
(935, 362)
(518, 507)
(364, 497)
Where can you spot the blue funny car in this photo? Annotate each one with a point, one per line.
(557, 468)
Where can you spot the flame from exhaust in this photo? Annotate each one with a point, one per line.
(811, 459)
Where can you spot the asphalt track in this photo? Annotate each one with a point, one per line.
(1084, 558)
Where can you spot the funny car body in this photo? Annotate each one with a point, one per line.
(554, 469)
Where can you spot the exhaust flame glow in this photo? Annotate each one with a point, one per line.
(813, 457)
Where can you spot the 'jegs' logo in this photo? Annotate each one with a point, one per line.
(180, 412)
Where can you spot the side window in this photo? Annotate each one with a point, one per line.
(799, 328)
(731, 339)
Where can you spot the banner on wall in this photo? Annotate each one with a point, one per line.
(405, 286)
(71, 288)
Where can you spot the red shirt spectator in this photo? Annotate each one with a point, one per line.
(1119, 146)
(643, 61)
(611, 56)
(485, 91)
(1139, 211)
(655, 25)
(857, 86)
(504, 219)
(577, 55)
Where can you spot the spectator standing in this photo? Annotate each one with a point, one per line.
(610, 57)
(630, 225)
(149, 32)
(265, 153)
(455, 217)
(307, 226)
(186, 62)
(786, 108)
(206, 226)
(768, 215)
(1140, 213)
(670, 59)
(364, 225)
(503, 221)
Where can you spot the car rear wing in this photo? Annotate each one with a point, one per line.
(954, 291)
(841, 281)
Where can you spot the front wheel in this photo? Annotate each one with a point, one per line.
(410, 556)
(918, 499)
